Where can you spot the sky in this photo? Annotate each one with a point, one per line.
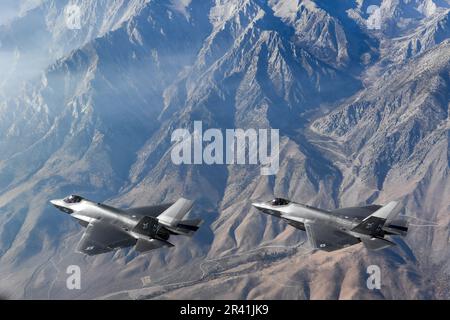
(8, 10)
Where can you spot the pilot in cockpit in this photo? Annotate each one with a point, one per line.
(73, 199)
(279, 202)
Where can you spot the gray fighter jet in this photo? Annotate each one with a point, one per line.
(146, 228)
(340, 228)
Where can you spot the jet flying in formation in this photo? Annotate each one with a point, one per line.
(340, 228)
(146, 228)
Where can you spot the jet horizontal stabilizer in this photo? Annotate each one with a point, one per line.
(396, 227)
(186, 227)
(143, 245)
(377, 243)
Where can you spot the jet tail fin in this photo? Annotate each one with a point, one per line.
(175, 213)
(373, 224)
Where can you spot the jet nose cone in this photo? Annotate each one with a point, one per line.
(55, 202)
(257, 205)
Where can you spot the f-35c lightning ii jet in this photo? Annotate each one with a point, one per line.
(340, 228)
(146, 228)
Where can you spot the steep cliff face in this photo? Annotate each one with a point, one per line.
(362, 113)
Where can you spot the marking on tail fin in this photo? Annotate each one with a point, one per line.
(373, 224)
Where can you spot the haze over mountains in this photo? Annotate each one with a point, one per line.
(363, 113)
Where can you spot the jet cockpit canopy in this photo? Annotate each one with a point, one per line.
(279, 202)
(73, 199)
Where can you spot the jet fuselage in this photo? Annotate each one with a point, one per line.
(302, 213)
(86, 211)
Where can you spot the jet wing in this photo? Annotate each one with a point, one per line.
(149, 211)
(101, 237)
(328, 238)
(357, 212)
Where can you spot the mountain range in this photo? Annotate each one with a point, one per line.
(363, 114)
